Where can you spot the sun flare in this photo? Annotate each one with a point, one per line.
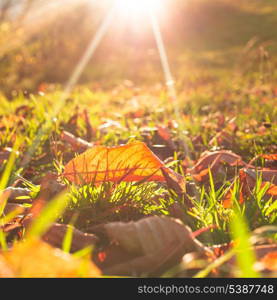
(138, 8)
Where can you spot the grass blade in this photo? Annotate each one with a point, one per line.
(48, 215)
(244, 252)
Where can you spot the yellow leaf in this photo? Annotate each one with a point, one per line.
(35, 258)
(131, 162)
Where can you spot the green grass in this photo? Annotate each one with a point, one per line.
(128, 201)
(229, 74)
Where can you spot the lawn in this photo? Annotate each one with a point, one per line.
(115, 175)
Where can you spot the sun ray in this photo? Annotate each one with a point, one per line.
(72, 81)
(170, 84)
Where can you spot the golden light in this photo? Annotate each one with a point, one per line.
(138, 8)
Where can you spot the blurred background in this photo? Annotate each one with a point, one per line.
(41, 41)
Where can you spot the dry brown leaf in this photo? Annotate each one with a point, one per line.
(177, 184)
(76, 142)
(15, 192)
(147, 246)
(213, 160)
(38, 259)
(131, 162)
(247, 178)
(4, 155)
(222, 138)
(266, 174)
(49, 187)
(55, 235)
(263, 250)
(164, 133)
(89, 128)
(12, 207)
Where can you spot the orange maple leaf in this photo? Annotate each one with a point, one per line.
(131, 162)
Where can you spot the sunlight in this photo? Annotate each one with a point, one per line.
(138, 8)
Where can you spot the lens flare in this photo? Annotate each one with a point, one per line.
(138, 8)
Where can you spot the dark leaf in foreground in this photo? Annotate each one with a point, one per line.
(148, 246)
(55, 235)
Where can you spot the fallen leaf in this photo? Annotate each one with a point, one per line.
(4, 155)
(222, 138)
(148, 246)
(261, 251)
(176, 211)
(266, 174)
(90, 131)
(177, 184)
(172, 124)
(131, 162)
(11, 207)
(109, 124)
(212, 161)
(227, 201)
(270, 261)
(37, 259)
(247, 178)
(55, 235)
(272, 190)
(5, 269)
(15, 192)
(270, 156)
(165, 135)
(75, 142)
(219, 250)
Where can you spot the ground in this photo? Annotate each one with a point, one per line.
(219, 135)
